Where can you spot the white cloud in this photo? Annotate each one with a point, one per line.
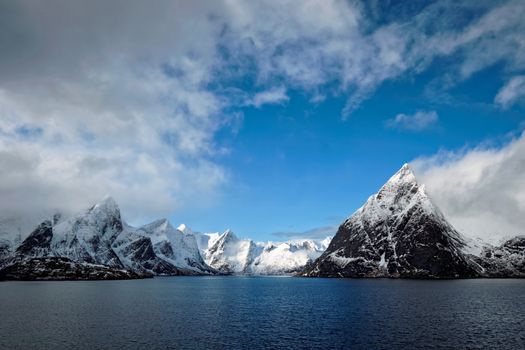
(480, 190)
(271, 96)
(418, 121)
(338, 44)
(511, 92)
(91, 106)
(122, 108)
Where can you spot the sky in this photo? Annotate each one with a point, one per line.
(274, 119)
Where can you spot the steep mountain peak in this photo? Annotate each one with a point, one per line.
(228, 235)
(160, 225)
(108, 205)
(397, 232)
(398, 195)
(403, 180)
(403, 175)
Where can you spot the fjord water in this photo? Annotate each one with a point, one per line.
(264, 312)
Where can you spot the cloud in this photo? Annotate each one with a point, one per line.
(271, 96)
(511, 92)
(111, 108)
(351, 48)
(421, 120)
(90, 106)
(480, 189)
(315, 233)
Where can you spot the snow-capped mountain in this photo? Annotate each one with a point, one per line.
(229, 254)
(178, 248)
(399, 232)
(505, 260)
(99, 237)
(287, 257)
(88, 237)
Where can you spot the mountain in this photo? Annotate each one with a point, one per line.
(229, 254)
(88, 237)
(59, 268)
(505, 260)
(398, 232)
(287, 257)
(98, 237)
(136, 253)
(173, 246)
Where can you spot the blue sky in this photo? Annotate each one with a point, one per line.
(299, 165)
(272, 119)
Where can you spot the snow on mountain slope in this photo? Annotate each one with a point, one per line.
(99, 236)
(286, 257)
(229, 254)
(136, 252)
(504, 261)
(206, 240)
(88, 237)
(176, 246)
(398, 232)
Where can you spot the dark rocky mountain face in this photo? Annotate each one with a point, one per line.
(397, 233)
(59, 268)
(506, 260)
(143, 258)
(38, 242)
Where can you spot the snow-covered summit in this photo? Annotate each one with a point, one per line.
(397, 232)
(98, 235)
(230, 254)
(397, 196)
(107, 205)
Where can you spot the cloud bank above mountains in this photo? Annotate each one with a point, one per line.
(480, 190)
(126, 98)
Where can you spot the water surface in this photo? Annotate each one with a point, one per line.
(265, 312)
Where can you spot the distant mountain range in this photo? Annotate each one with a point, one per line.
(397, 233)
(229, 254)
(97, 244)
(400, 233)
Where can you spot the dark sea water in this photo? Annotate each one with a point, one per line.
(257, 313)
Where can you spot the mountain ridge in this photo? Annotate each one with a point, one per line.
(99, 237)
(400, 233)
